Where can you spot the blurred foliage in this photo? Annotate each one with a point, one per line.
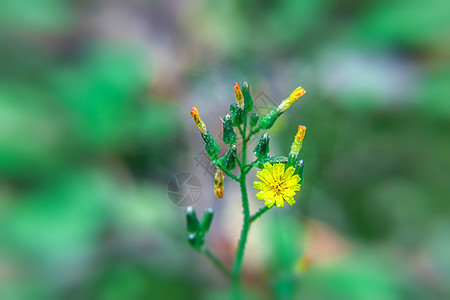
(92, 95)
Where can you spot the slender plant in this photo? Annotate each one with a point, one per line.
(280, 176)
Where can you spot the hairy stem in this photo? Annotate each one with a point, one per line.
(237, 266)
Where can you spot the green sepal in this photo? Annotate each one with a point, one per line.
(262, 148)
(211, 146)
(299, 170)
(254, 119)
(229, 136)
(267, 121)
(192, 223)
(272, 160)
(237, 114)
(228, 161)
(248, 101)
(196, 240)
(292, 160)
(208, 215)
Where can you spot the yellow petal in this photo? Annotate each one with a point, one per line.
(290, 200)
(258, 185)
(289, 172)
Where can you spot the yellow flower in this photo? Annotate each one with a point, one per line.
(277, 185)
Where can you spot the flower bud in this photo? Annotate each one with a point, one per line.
(248, 101)
(254, 119)
(293, 97)
(229, 136)
(211, 146)
(237, 114)
(298, 141)
(198, 122)
(228, 161)
(272, 160)
(208, 215)
(239, 96)
(218, 183)
(191, 220)
(269, 119)
(262, 148)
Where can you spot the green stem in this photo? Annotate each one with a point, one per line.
(258, 213)
(254, 131)
(216, 262)
(237, 266)
(232, 176)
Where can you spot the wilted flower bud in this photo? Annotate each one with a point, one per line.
(208, 215)
(219, 183)
(262, 148)
(248, 101)
(229, 136)
(228, 161)
(211, 146)
(267, 121)
(254, 119)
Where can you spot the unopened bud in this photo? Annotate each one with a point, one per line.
(269, 119)
(262, 148)
(229, 136)
(211, 146)
(248, 101)
(208, 215)
(254, 119)
(192, 223)
(237, 114)
(228, 161)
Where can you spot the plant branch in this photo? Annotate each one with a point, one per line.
(259, 213)
(216, 262)
(232, 176)
(252, 132)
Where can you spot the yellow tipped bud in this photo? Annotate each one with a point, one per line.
(239, 95)
(298, 141)
(218, 183)
(198, 122)
(294, 96)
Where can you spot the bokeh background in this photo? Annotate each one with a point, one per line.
(94, 122)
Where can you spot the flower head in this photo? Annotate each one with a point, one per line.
(277, 184)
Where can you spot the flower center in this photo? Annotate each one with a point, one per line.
(276, 187)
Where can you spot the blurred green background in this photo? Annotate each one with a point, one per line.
(94, 121)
